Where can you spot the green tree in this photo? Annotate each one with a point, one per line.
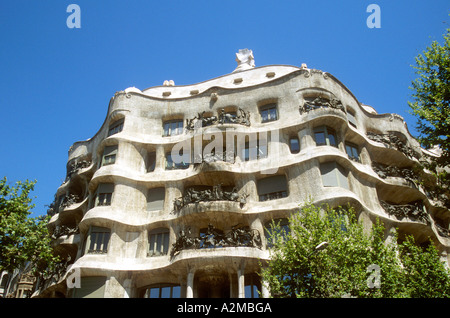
(424, 275)
(355, 262)
(22, 238)
(431, 106)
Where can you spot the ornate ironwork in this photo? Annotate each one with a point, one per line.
(393, 141)
(61, 230)
(413, 210)
(76, 166)
(216, 193)
(200, 121)
(242, 117)
(385, 171)
(69, 200)
(214, 238)
(321, 102)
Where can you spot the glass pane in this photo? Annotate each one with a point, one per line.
(320, 138)
(93, 240)
(166, 129)
(105, 241)
(165, 292)
(176, 292)
(158, 244)
(355, 153)
(154, 293)
(248, 291)
(273, 114)
(98, 243)
(264, 115)
(295, 145)
(165, 243)
(180, 127)
(332, 139)
(152, 244)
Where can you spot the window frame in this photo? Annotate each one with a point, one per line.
(170, 165)
(353, 148)
(109, 152)
(100, 242)
(116, 127)
(279, 191)
(158, 242)
(149, 196)
(173, 131)
(351, 118)
(327, 132)
(298, 144)
(104, 192)
(340, 174)
(272, 112)
(146, 293)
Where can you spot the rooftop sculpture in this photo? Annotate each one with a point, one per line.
(245, 60)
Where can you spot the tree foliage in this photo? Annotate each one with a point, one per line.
(22, 238)
(355, 263)
(431, 106)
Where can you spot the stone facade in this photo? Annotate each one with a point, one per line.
(134, 221)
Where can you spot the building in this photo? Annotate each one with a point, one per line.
(174, 195)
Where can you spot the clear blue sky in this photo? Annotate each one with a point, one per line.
(56, 82)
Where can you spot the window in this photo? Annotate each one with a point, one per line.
(281, 226)
(173, 127)
(351, 118)
(272, 188)
(294, 144)
(98, 239)
(268, 113)
(116, 127)
(104, 194)
(163, 291)
(150, 162)
(158, 242)
(171, 165)
(352, 151)
(252, 286)
(109, 155)
(155, 199)
(259, 151)
(90, 287)
(333, 175)
(325, 136)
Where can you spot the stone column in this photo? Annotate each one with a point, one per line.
(190, 284)
(264, 290)
(241, 281)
